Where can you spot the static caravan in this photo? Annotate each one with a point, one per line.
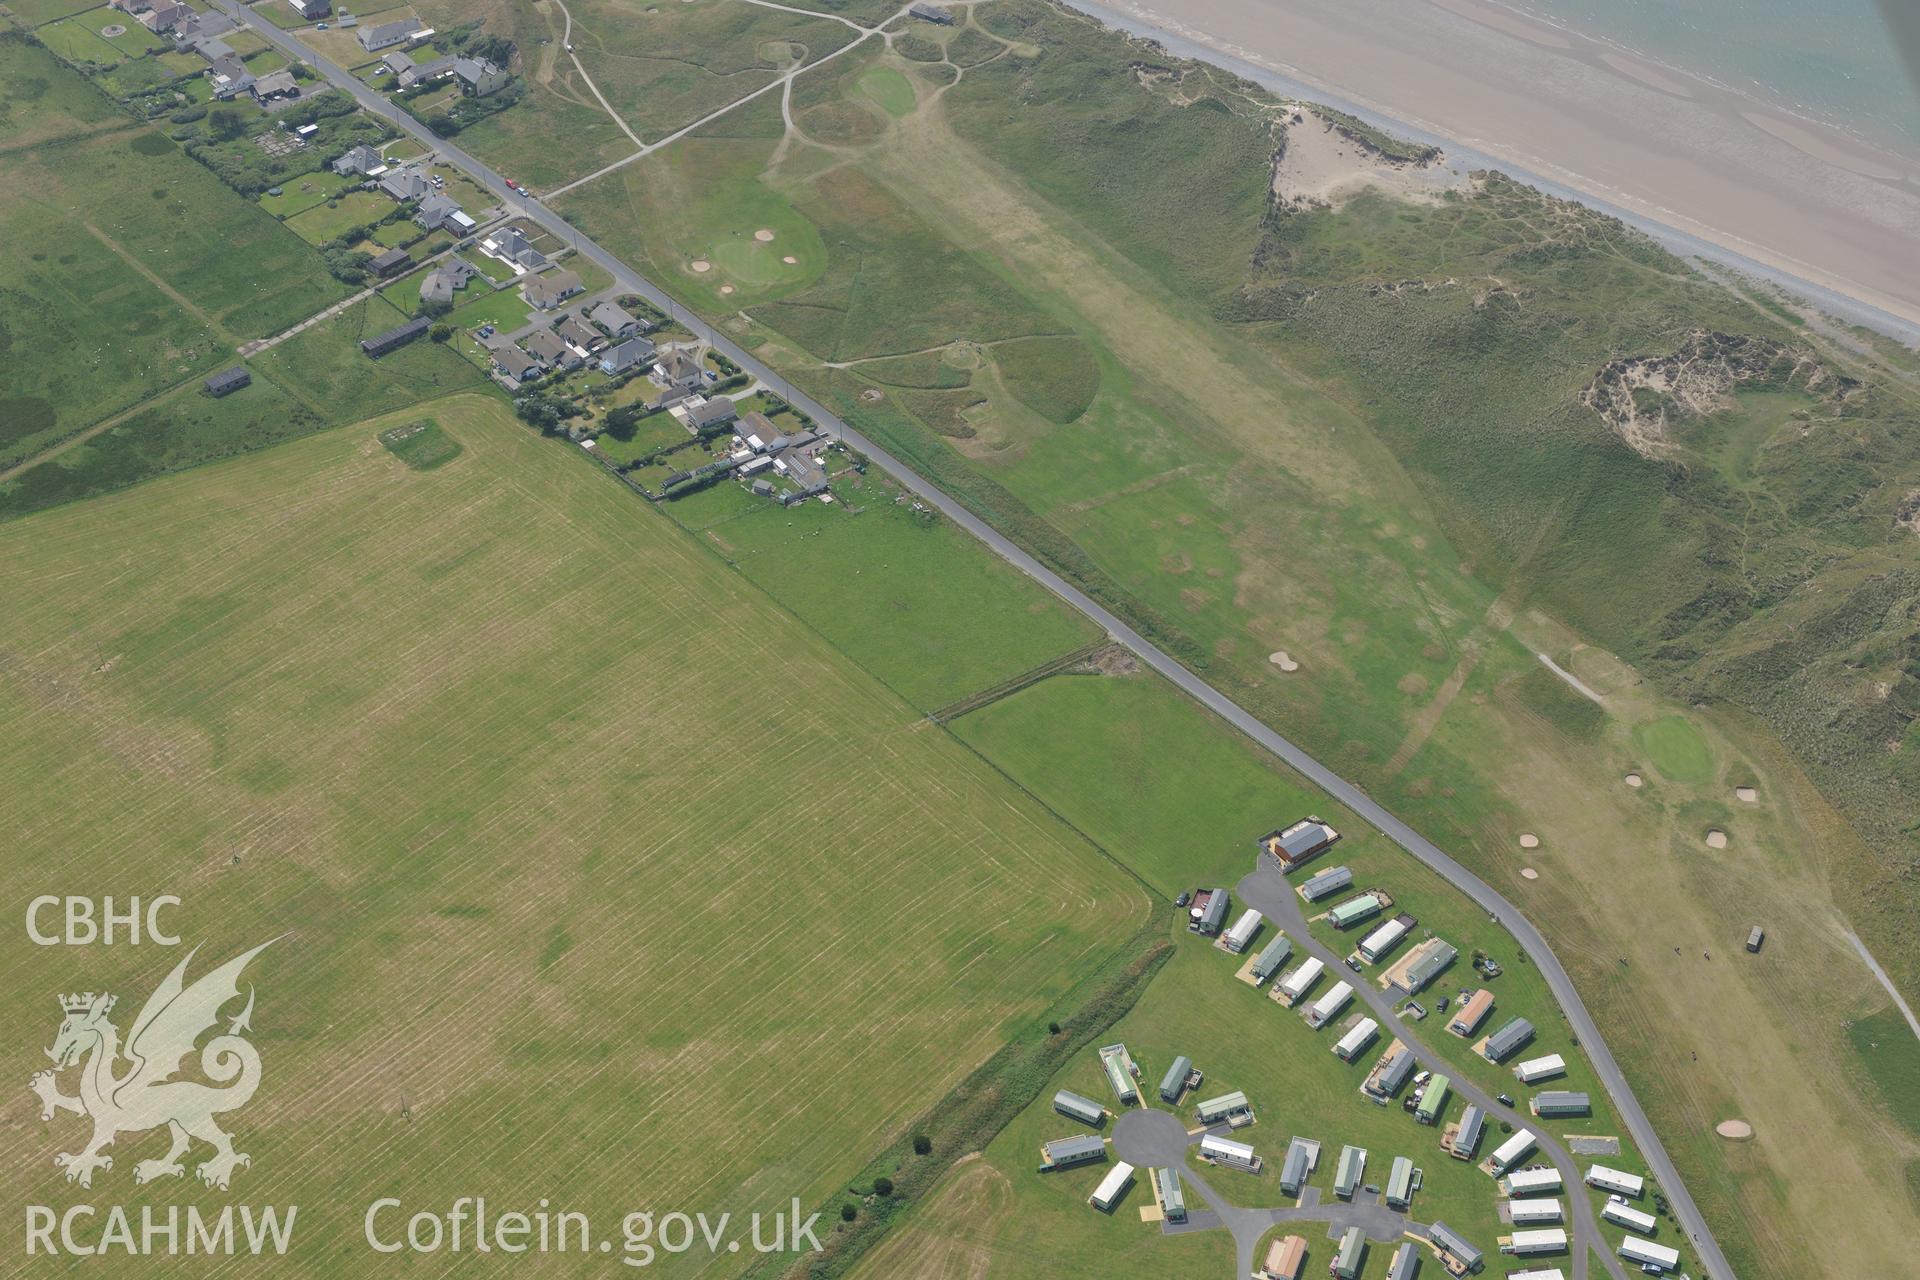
(1527, 1213)
(1508, 1040)
(1532, 1182)
(1625, 1184)
(1390, 1073)
(1512, 1151)
(1166, 1189)
(1433, 1100)
(1301, 980)
(1209, 912)
(1064, 1153)
(1326, 883)
(1075, 1107)
(1174, 1083)
(1539, 1273)
(1348, 1173)
(1649, 1254)
(1620, 1213)
(1225, 1151)
(1284, 1258)
(1353, 911)
(1534, 1070)
(1562, 1102)
(1112, 1187)
(1119, 1065)
(1400, 1183)
(1329, 1005)
(1406, 1262)
(1466, 1134)
(1240, 937)
(1351, 1255)
(1468, 1017)
(1298, 1164)
(1544, 1240)
(1223, 1108)
(1428, 961)
(1456, 1246)
(1271, 957)
(1355, 1042)
(1381, 941)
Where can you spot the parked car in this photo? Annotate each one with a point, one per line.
(1183, 899)
(1506, 1099)
(1353, 964)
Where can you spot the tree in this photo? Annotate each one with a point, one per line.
(226, 123)
(347, 266)
(922, 1144)
(435, 306)
(883, 1186)
(849, 1211)
(441, 333)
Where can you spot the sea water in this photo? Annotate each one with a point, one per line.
(1836, 61)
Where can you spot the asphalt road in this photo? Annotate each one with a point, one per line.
(1529, 938)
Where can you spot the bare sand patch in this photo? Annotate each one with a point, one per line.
(763, 235)
(1280, 659)
(1736, 1130)
(1528, 873)
(791, 261)
(1746, 794)
(1634, 780)
(1529, 841)
(1716, 838)
(701, 265)
(1319, 166)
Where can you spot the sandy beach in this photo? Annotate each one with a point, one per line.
(1708, 170)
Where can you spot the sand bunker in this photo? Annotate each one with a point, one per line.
(1633, 779)
(1280, 659)
(1747, 794)
(113, 29)
(1716, 838)
(1529, 841)
(791, 261)
(701, 264)
(763, 235)
(726, 288)
(1737, 1130)
(1528, 873)
(1320, 166)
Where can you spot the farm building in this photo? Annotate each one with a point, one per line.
(1353, 911)
(1511, 1152)
(1531, 1182)
(1271, 957)
(1400, 1183)
(1208, 912)
(1064, 1153)
(1240, 937)
(1625, 1184)
(1174, 1083)
(1381, 941)
(1468, 1017)
(1390, 1073)
(1119, 1066)
(1527, 1213)
(1508, 1040)
(1298, 1164)
(1075, 1107)
(1301, 980)
(1433, 1100)
(1562, 1102)
(1166, 1189)
(228, 380)
(1454, 1247)
(1299, 844)
(1326, 883)
(1358, 1037)
(1406, 1262)
(1349, 1171)
(395, 338)
(1755, 939)
(1225, 1108)
(1112, 1187)
(1426, 962)
(1328, 1006)
(1534, 1070)
(1285, 1257)
(1465, 1136)
(1620, 1213)
(1225, 1151)
(1649, 1254)
(1541, 1240)
(1351, 1255)
(930, 13)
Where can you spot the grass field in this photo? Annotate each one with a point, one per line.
(494, 810)
(41, 100)
(328, 221)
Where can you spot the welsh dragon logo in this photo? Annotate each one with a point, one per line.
(133, 1088)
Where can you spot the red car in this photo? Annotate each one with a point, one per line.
(512, 185)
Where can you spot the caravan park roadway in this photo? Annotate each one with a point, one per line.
(1712, 1261)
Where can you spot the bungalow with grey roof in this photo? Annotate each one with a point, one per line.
(680, 371)
(545, 346)
(384, 35)
(614, 319)
(551, 289)
(398, 61)
(716, 412)
(514, 362)
(164, 16)
(278, 84)
(576, 334)
(434, 211)
(405, 185)
(440, 284)
(359, 159)
(630, 354)
(230, 77)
